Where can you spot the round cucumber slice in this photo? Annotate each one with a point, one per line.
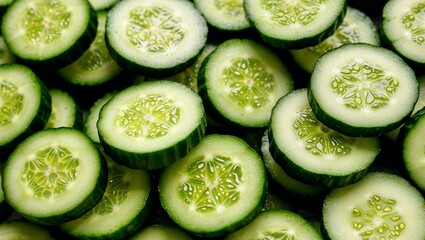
(155, 37)
(297, 23)
(152, 124)
(54, 176)
(161, 232)
(363, 90)
(276, 224)
(65, 111)
(217, 188)
(50, 33)
(22, 229)
(240, 82)
(380, 206)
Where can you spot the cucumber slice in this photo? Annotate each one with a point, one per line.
(402, 29)
(380, 206)
(122, 210)
(54, 176)
(161, 232)
(25, 105)
(102, 5)
(50, 33)
(6, 56)
(21, 229)
(276, 224)
(312, 153)
(65, 111)
(155, 37)
(295, 24)
(152, 124)
(410, 140)
(217, 188)
(356, 27)
(226, 15)
(362, 90)
(240, 82)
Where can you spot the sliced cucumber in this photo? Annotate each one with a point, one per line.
(402, 29)
(25, 105)
(123, 209)
(217, 188)
(65, 111)
(152, 124)
(362, 90)
(312, 153)
(50, 33)
(380, 206)
(159, 232)
(240, 82)
(224, 15)
(295, 24)
(155, 37)
(6, 56)
(21, 229)
(276, 224)
(54, 176)
(102, 5)
(356, 27)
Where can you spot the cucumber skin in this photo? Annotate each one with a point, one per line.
(70, 55)
(88, 203)
(347, 129)
(39, 121)
(158, 159)
(305, 42)
(308, 177)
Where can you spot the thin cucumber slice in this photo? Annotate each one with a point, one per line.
(312, 153)
(50, 33)
(356, 27)
(123, 209)
(95, 67)
(286, 182)
(380, 206)
(65, 111)
(295, 24)
(25, 105)
(161, 232)
(402, 29)
(240, 82)
(410, 140)
(363, 90)
(277, 224)
(155, 37)
(22, 229)
(226, 15)
(54, 176)
(217, 188)
(152, 124)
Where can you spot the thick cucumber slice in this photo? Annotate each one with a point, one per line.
(227, 15)
(402, 29)
(276, 224)
(217, 188)
(21, 229)
(25, 105)
(122, 210)
(152, 124)
(240, 82)
(312, 153)
(362, 90)
(295, 24)
(54, 176)
(50, 33)
(155, 37)
(380, 206)
(161, 232)
(356, 27)
(65, 111)
(411, 140)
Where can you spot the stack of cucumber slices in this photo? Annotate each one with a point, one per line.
(212, 119)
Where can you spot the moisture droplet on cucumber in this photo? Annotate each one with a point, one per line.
(362, 90)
